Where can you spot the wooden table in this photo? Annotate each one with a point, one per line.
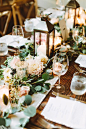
(38, 121)
(66, 81)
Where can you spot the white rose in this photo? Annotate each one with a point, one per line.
(7, 77)
(7, 71)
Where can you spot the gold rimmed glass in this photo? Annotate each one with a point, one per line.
(60, 67)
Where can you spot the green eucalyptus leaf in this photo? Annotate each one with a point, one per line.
(7, 122)
(45, 76)
(32, 91)
(14, 110)
(75, 47)
(84, 51)
(5, 114)
(38, 88)
(23, 121)
(1, 71)
(2, 121)
(3, 66)
(39, 81)
(28, 99)
(30, 111)
(24, 79)
(29, 80)
(51, 77)
(43, 90)
(1, 77)
(47, 86)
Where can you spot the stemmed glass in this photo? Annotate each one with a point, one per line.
(18, 34)
(60, 67)
(78, 34)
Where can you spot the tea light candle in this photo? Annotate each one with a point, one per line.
(4, 90)
(69, 22)
(41, 49)
(24, 90)
(3, 49)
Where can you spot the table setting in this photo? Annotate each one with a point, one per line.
(43, 75)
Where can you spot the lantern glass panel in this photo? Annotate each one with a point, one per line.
(42, 33)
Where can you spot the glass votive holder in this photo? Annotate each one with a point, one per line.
(28, 25)
(21, 67)
(24, 90)
(3, 49)
(14, 95)
(78, 83)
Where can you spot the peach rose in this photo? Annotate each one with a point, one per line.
(13, 62)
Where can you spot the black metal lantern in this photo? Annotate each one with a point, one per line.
(72, 4)
(45, 27)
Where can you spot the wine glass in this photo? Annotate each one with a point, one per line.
(18, 34)
(78, 34)
(60, 67)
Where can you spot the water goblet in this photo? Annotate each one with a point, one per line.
(18, 34)
(78, 34)
(78, 83)
(60, 67)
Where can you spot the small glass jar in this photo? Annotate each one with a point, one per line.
(28, 25)
(78, 83)
(14, 95)
(3, 49)
(21, 67)
(24, 90)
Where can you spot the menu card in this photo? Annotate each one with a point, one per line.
(70, 113)
(63, 28)
(81, 60)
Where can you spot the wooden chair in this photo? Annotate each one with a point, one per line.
(5, 9)
(16, 9)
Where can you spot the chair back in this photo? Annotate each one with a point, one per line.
(4, 5)
(16, 9)
(20, 2)
(5, 9)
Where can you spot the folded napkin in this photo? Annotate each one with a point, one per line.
(14, 41)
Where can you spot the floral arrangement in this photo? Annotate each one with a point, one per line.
(31, 66)
(20, 72)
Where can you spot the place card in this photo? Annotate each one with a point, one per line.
(63, 28)
(66, 112)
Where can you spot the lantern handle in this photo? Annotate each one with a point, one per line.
(45, 17)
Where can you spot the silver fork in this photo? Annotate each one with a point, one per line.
(48, 125)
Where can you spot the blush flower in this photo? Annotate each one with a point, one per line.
(28, 57)
(43, 58)
(13, 62)
(7, 78)
(35, 67)
(7, 71)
